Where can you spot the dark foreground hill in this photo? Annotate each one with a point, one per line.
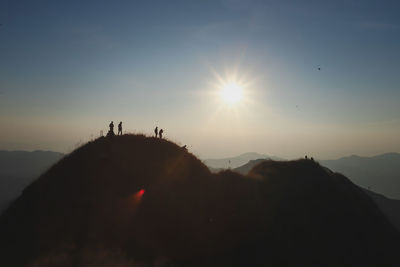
(138, 201)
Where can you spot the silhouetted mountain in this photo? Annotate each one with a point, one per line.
(389, 207)
(20, 168)
(234, 162)
(379, 173)
(133, 200)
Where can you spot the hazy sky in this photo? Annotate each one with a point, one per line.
(67, 68)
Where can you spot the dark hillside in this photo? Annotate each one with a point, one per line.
(137, 201)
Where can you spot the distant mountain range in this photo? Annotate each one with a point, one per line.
(234, 162)
(19, 168)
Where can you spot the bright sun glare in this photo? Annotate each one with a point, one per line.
(231, 93)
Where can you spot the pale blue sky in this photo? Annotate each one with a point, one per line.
(69, 67)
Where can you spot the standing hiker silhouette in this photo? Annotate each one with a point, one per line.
(111, 131)
(120, 128)
(156, 131)
(160, 133)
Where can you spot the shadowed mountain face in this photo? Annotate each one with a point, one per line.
(138, 201)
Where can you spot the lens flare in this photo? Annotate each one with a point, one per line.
(141, 192)
(137, 197)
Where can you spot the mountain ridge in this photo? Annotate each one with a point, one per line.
(140, 200)
(381, 173)
(390, 207)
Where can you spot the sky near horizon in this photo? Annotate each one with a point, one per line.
(67, 68)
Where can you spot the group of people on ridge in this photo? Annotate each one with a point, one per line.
(111, 130)
(306, 157)
(158, 133)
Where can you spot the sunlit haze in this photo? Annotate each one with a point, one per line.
(284, 78)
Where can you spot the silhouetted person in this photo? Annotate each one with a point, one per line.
(111, 131)
(160, 133)
(306, 157)
(312, 158)
(156, 131)
(120, 128)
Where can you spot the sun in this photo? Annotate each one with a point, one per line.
(231, 93)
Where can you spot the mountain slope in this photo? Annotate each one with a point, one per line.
(133, 200)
